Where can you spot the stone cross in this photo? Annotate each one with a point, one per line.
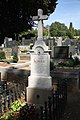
(40, 19)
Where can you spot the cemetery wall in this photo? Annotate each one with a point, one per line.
(73, 79)
(14, 75)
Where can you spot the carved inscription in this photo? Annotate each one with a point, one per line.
(39, 65)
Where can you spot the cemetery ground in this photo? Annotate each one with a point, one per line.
(72, 111)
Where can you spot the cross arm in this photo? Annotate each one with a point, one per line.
(42, 17)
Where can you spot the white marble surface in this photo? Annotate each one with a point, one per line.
(39, 82)
(40, 65)
(40, 19)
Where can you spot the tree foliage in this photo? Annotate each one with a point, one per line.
(15, 58)
(58, 29)
(2, 55)
(16, 15)
(71, 31)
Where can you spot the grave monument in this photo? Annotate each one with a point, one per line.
(39, 81)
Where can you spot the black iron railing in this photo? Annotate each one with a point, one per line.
(8, 96)
(51, 110)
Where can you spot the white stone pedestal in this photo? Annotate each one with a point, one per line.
(39, 89)
(39, 81)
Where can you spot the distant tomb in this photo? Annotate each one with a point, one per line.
(23, 54)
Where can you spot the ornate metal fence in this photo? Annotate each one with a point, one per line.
(9, 95)
(52, 110)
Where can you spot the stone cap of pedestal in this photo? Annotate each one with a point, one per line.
(46, 51)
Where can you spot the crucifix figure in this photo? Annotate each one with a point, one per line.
(40, 19)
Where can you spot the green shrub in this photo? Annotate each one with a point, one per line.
(70, 63)
(15, 58)
(16, 105)
(6, 116)
(2, 55)
(76, 61)
(10, 115)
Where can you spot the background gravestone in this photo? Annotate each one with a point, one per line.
(61, 52)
